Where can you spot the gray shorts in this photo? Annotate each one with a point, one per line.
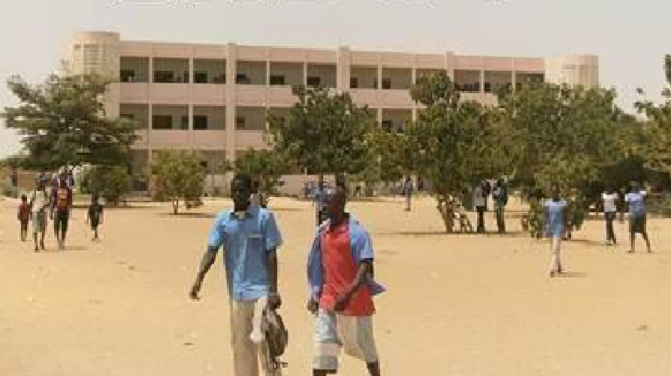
(39, 220)
(335, 332)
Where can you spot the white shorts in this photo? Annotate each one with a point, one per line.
(335, 332)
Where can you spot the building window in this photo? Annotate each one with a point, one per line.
(164, 77)
(127, 75)
(387, 125)
(200, 122)
(277, 80)
(242, 78)
(185, 123)
(161, 122)
(240, 122)
(386, 83)
(220, 79)
(354, 82)
(314, 81)
(200, 77)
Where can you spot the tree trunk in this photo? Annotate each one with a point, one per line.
(447, 214)
(175, 206)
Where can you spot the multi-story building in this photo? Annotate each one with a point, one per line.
(214, 98)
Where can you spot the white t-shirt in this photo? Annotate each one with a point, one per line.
(39, 201)
(478, 198)
(609, 200)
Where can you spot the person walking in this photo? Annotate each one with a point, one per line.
(556, 224)
(500, 202)
(320, 194)
(23, 216)
(95, 216)
(637, 215)
(60, 211)
(250, 239)
(340, 278)
(480, 206)
(610, 199)
(408, 189)
(39, 202)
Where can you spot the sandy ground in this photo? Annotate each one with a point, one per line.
(457, 304)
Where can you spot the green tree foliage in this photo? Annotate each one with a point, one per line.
(657, 128)
(62, 122)
(324, 132)
(109, 182)
(561, 133)
(454, 142)
(179, 176)
(264, 166)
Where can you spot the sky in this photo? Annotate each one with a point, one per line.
(624, 34)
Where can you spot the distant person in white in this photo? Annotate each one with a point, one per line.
(610, 198)
(637, 215)
(480, 203)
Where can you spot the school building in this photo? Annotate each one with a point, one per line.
(213, 98)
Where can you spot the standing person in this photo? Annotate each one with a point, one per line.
(637, 215)
(250, 238)
(340, 271)
(95, 216)
(408, 189)
(60, 211)
(610, 199)
(500, 202)
(319, 202)
(556, 224)
(24, 217)
(39, 202)
(480, 205)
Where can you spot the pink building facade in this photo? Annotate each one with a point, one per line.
(214, 98)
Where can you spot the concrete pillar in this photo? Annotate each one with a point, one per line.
(482, 81)
(379, 116)
(514, 73)
(305, 72)
(231, 105)
(343, 68)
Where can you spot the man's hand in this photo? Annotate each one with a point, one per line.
(342, 302)
(274, 301)
(195, 290)
(313, 305)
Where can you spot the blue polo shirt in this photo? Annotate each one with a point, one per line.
(246, 243)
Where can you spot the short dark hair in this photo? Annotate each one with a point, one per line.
(244, 178)
(24, 198)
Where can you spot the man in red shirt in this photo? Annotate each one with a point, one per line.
(343, 302)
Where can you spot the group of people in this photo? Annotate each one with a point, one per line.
(339, 276)
(556, 220)
(499, 195)
(41, 205)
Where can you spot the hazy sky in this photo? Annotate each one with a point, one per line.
(625, 34)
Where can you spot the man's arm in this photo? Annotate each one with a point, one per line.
(206, 263)
(362, 275)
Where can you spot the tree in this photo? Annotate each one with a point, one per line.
(265, 166)
(455, 143)
(109, 182)
(657, 127)
(179, 176)
(561, 133)
(63, 122)
(323, 132)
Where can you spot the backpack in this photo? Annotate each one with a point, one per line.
(277, 337)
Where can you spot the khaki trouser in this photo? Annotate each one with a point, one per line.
(555, 258)
(245, 316)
